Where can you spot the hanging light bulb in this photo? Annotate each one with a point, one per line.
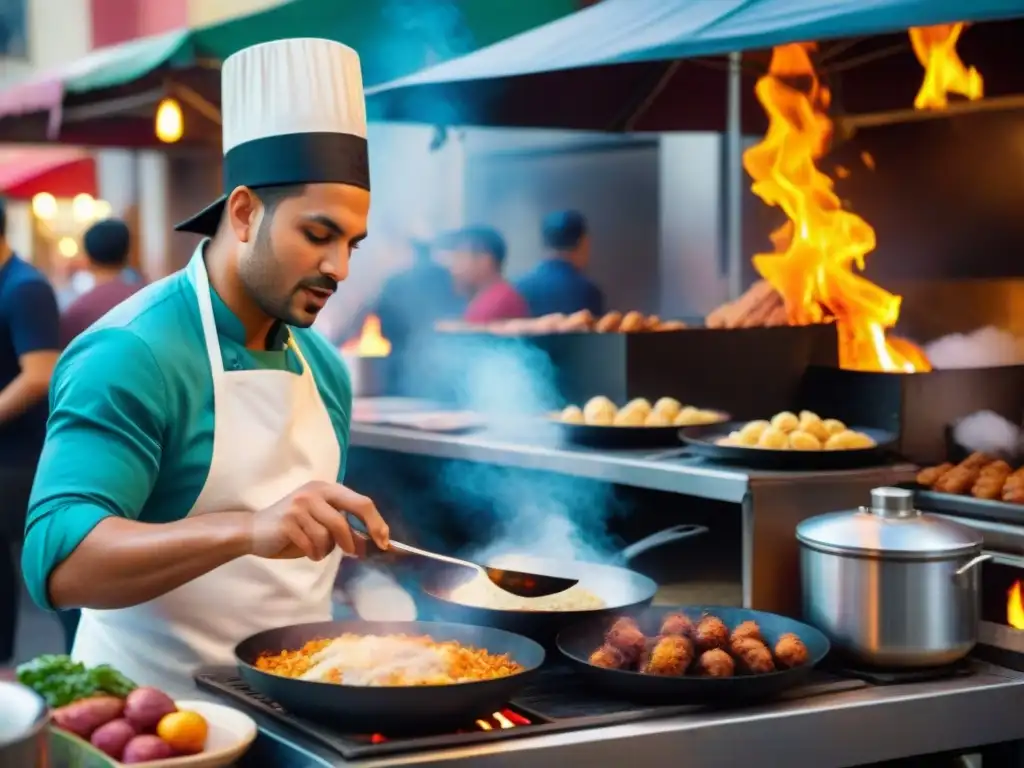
(83, 208)
(170, 124)
(44, 206)
(68, 247)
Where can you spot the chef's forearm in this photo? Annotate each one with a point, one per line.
(123, 562)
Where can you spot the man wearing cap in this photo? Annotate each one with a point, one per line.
(558, 283)
(190, 489)
(106, 247)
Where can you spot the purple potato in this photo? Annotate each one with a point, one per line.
(143, 749)
(145, 708)
(112, 738)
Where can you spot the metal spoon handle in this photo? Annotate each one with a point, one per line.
(405, 549)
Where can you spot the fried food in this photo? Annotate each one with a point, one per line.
(773, 439)
(630, 416)
(751, 432)
(608, 657)
(670, 656)
(657, 419)
(958, 480)
(991, 480)
(609, 323)
(572, 415)
(833, 426)
(848, 440)
(632, 322)
(671, 325)
(785, 421)
(800, 440)
(599, 411)
(976, 460)
(578, 321)
(668, 407)
(790, 651)
(930, 475)
(711, 632)
(677, 624)
(746, 629)
(626, 636)
(716, 663)
(812, 424)
(753, 655)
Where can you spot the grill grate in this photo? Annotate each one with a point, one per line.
(557, 700)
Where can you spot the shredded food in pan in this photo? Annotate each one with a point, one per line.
(388, 660)
(484, 593)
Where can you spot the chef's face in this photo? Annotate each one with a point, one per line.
(301, 249)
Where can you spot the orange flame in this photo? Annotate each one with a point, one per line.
(820, 249)
(370, 342)
(1015, 607)
(944, 72)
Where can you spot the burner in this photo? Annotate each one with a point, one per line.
(878, 676)
(557, 700)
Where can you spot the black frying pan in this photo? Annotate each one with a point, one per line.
(406, 709)
(621, 589)
(578, 642)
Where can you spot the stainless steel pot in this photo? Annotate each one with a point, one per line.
(23, 719)
(368, 375)
(892, 587)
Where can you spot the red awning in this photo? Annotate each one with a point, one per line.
(61, 171)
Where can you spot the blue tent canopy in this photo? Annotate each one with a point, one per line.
(623, 31)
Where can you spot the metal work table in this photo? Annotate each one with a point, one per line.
(845, 729)
(772, 503)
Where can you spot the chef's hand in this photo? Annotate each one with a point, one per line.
(311, 521)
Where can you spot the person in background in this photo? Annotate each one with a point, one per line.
(477, 256)
(558, 283)
(29, 346)
(106, 246)
(413, 300)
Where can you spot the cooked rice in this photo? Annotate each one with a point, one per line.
(388, 660)
(483, 593)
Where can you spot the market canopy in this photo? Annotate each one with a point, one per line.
(545, 76)
(393, 37)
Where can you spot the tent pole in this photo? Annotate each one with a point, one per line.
(734, 178)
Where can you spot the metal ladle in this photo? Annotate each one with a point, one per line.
(518, 583)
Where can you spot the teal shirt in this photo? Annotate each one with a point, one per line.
(131, 417)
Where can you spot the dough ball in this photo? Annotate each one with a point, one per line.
(834, 426)
(668, 407)
(773, 439)
(599, 411)
(657, 419)
(751, 432)
(640, 403)
(808, 416)
(785, 421)
(848, 440)
(630, 416)
(803, 441)
(572, 415)
(685, 417)
(810, 423)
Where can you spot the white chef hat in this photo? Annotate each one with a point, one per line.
(293, 112)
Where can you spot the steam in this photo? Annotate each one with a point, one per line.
(983, 348)
(376, 596)
(989, 433)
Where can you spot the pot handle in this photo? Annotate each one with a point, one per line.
(667, 536)
(960, 573)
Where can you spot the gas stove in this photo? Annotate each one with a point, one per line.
(557, 700)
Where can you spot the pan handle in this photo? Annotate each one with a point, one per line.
(667, 536)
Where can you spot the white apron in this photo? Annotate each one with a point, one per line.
(271, 435)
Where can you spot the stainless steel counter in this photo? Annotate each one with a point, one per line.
(862, 726)
(771, 503)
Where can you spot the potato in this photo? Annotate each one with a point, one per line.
(113, 737)
(144, 708)
(86, 715)
(143, 749)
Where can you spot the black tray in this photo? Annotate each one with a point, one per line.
(968, 506)
(700, 441)
(623, 437)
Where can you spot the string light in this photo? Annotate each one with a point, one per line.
(44, 206)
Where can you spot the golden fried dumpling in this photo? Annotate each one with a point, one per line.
(572, 415)
(668, 407)
(810, 423)
(640, 403)
(799, 440)
(599, 411)
(657, 419)
(848, 440)
(834, 426)
(773, 439)
(686, 416)
(630, 416)
(708, 417)
(751, 432)
(733, 438)
(785, 421)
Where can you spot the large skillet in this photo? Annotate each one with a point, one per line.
(578, 642)
(405, 709)
(621, 589)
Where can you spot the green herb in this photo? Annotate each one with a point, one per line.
(60, 680)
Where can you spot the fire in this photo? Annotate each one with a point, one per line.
(370, 342)
(1015, 607)
(944, 72)
(820, 249)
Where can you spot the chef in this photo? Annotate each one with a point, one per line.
(189, 492)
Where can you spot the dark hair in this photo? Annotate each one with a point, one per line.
(3, 217)
(271, 197)
(107, 243)
(475, 240)
(563, 230)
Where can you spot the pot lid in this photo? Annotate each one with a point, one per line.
(890, 526)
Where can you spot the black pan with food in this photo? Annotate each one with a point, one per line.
(702, 441)
(623, 438)
(619, 588)
(391, 709)
(578, 642)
